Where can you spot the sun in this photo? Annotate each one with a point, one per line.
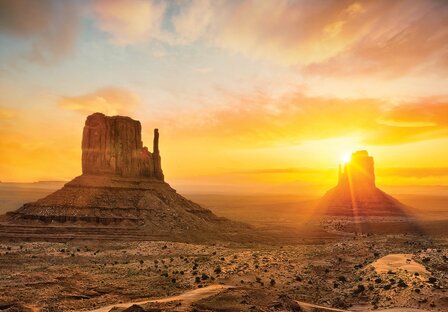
(345, 158)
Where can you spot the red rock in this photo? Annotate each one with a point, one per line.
(113, 146)
(121, 188)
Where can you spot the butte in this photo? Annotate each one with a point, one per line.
(120, 194)
(356, 194)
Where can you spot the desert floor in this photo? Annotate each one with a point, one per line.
(383, 269)
(339, 273)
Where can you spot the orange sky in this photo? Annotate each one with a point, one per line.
(262, 94)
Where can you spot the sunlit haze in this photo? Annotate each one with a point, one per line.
(247, 95)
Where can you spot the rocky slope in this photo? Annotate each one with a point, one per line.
(122, 186)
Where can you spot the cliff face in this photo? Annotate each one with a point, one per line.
(113, 145)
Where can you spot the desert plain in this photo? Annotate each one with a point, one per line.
(294, 263)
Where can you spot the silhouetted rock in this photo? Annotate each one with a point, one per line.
(358, 172)
(356, 193)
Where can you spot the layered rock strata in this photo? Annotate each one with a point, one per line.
(122, 185)
(113, 145)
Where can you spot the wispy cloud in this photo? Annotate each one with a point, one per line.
(49, 26)
(129, 21)
(336, 38)
(414, 172)
(261, 120)
(398, 39)
(109, 100)
(323, 38)
(287, 171)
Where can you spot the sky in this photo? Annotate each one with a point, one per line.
(250, 95)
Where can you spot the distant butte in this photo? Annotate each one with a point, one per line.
(121, 187)
(356, 194)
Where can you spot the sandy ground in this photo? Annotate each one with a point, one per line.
(301, 270)
(84, 276)
(400, 262)
(186, 298)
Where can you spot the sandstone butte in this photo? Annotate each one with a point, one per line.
(121, 187)
(356, 194)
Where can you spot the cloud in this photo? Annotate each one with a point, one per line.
(288, 32)
(399, 39)
(323, 38)
(50, 26)
(387, 38)
(193, 21)
(110, 101)
(319, 38)
(260, 120)
(430, 112)
(129, 21)
(417, 121)
(414, 172)
(303, 171)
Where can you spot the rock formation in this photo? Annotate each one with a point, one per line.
(356, 193)
(358, 172)
(122, 185)
(113, 145)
